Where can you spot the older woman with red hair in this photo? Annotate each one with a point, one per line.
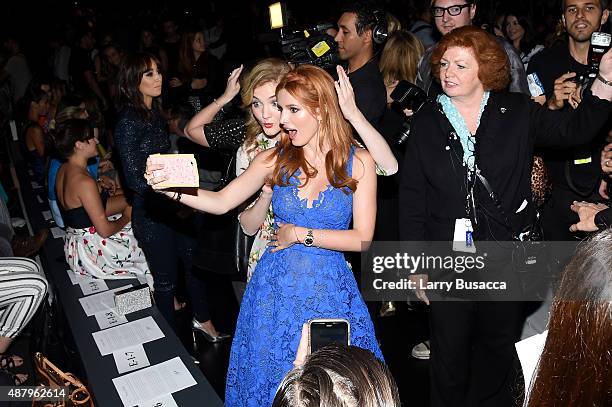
(466, 181)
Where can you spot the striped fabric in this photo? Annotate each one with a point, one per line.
(23, 287)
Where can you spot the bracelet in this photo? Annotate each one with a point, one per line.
(604, 80)
(296, 236)
(218, 105)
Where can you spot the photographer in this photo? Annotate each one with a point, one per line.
(574, 172)
(478, 131)
(356, 42)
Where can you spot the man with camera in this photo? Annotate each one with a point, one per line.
(451, 14)
(360, 26)
(563, 71)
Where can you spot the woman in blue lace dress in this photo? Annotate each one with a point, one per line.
(321, 181)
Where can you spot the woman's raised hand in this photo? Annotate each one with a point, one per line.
(233, 86)
(152, 174)
(346, 96)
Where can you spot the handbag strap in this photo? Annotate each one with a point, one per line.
(495, 199)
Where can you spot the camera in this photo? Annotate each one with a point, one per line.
(600, 44)
(310, 46)
(406, 96)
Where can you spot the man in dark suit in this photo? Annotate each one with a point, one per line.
(356, 46)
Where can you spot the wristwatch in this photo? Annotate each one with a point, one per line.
(309, 239)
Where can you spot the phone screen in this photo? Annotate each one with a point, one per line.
(325, 333)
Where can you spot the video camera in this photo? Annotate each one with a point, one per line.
(310, 46)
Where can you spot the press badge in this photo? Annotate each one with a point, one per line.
(463, 239)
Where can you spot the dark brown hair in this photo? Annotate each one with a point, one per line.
(338, 376)
(314, 88)
(66, 135)
(574, 369)
(493, 65)
(130, 76)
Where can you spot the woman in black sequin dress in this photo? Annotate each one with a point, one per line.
(164, 232)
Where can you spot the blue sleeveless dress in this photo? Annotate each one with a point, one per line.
(287, 289)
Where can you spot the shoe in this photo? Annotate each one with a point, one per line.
(197, 327)
(387, 309)
(26, 246)
(421, 351)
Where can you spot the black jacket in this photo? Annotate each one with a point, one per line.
(432, 189)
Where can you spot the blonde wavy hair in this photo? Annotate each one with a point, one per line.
(400, 57)
(266, 71)
(314, 88)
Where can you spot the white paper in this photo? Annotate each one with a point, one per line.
(130, 359)
(93, 286)
(100, 302)
(163, 401)
(153, 382)
(529, 351)
(109, 318)
(130, 334)
(57, 232)
(46, 214)
(39, 199)
(76, 278)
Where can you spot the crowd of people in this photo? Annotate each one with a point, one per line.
(510, 141)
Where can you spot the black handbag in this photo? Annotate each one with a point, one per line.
(529, 251)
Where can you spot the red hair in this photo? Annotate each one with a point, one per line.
(314, 88)
(493, 65)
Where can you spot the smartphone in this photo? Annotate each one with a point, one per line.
(327, 331)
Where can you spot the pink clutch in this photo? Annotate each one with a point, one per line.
(180, 169)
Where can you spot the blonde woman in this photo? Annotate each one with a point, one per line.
(400, 59)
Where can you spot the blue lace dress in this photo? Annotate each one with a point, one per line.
(287, 289)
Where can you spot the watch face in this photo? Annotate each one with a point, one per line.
(308, 241)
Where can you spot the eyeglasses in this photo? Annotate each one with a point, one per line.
(452, 10)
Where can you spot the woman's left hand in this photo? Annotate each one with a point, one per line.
(233, 86)
(346, 96)
(284, 237)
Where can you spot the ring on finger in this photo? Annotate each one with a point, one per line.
(607, 163)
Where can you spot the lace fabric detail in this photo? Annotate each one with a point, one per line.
(288, 288)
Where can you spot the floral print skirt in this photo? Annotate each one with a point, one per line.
(115, 257)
